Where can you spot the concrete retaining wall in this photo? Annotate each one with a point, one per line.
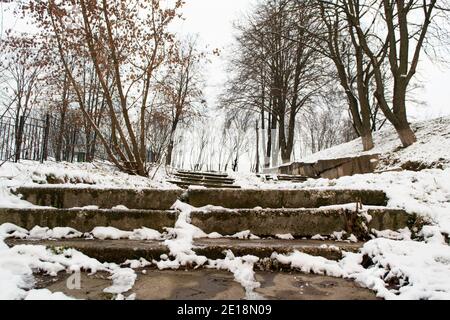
(86, 220)
(57, 197)
(298, 222)
(295, 198)
(331, 168)
(268, 222)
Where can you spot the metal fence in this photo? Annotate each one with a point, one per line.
(24, 138)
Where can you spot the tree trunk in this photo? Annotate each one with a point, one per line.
(171, 143)
(235, 163)
(257, 148)
(266, 163)
(367, 141)
(60, 137)
(169, 153)
(406, 135)
(274, 143)
(269, 143)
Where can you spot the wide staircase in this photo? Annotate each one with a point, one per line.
(302, 213)
(185, 179)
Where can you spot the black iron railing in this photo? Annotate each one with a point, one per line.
(24, 138)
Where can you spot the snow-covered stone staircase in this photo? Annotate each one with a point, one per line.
(245, 221)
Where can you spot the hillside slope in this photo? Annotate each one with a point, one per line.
(432, 149)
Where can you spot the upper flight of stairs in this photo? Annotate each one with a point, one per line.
(184, 179)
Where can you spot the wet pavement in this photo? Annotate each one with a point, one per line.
(213, 285)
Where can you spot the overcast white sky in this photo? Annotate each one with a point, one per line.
(212, 21)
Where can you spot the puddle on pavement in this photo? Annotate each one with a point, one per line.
(212, 284)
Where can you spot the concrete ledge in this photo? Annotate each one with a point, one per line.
(298, 222)
(148, 199)
(214, 248)
(285, 198)
(86, 220)
(120, 250)
(392, 219)
(330, 168)
(264, 222)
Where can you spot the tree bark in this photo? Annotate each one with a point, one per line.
(274, 144)
(169, 153)
(269, 141)
(257, 148)
(367, 141)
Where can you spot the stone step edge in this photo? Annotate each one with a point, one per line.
(232, 197)
(186, 184)
(197, 177)
(213, 220)
(200, 173)
(118, 251)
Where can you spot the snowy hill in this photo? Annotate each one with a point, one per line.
(79, 175)
(431, 150)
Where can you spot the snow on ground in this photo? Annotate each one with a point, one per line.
(393, 265)
(94, 175)
(242, 269)
(310, 264)
(398, 269)
(74, 175)
(433, 138)
(286, 236)
(406, 270)
(137, 264)
(415, 270)
(401, 268)
(426, 193)
(431, 150)
(18, 263)
(101, 233)
(56, 233)
(181, 250)
(181, 241)
(246, 234)
(123, 280)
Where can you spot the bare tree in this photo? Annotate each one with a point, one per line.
(23, 69)
(276, 70)
(182, 89)
(126, 43)
(403, 27)
(354, 70)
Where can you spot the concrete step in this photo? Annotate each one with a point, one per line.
(284, 177)
(206, 174)
(184, 179)
(119, 251)
(229, 197)
(203, 178)
(85, 220)
(186, 183)
(299, 222)
(61, 197)
(264, 222)
(296, 179)
(283, 198)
